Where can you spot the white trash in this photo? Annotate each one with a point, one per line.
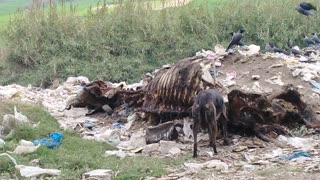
(2, 143)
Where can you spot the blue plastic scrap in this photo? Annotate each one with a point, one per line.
(315, 84)
(116, 125)
(295, 155)
(53, 141)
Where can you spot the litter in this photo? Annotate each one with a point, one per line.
(217, 164)
(297, 142)
(20, 117)
(116, 125)
(315, 84)
(25, 147)
(53, 141)
(31, 171)
(275, 80)
(232, 75)
(295, 155)
(89, 124)
(105, 174)
(250, 50)
(2, 143)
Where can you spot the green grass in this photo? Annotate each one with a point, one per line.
(124, 44)
(74, 155)
(9, 7)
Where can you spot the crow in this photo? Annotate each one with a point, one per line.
(236, 38)
(241, 43)
(272, 48)
(295, 51)
(304, 12)
(307, 6)
(308, 40)
(315, 38)
(268, 47)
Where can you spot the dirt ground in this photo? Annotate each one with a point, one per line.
(257, 65)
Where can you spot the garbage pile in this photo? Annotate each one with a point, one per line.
(152, 117)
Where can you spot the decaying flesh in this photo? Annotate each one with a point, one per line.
(265, 116)
(170, 93)
(93, 96)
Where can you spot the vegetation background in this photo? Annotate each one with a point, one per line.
(121, 43)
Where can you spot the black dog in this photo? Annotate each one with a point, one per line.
(206, 110)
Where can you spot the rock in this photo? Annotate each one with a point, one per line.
(76, 112)
(261, 162)
(255, 77)
(218, 165)
(8, 121)
(165, 146)
(119, 153)
(175, 151)
(248, 167)
(98, 174)
(137, 140)
(107, 109)
(151, 148)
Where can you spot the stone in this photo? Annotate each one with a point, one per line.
(151, 148)
(165, 146)
(175, 151)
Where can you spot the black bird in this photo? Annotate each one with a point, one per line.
(304, 12)
(295, 51)
(308, 40)
(278, 50)
(307, 6)
(236, 38)
(241, 43)
(272, 48)
(315, 38)
(268, 47)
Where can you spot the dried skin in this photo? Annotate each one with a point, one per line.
(261, 115)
